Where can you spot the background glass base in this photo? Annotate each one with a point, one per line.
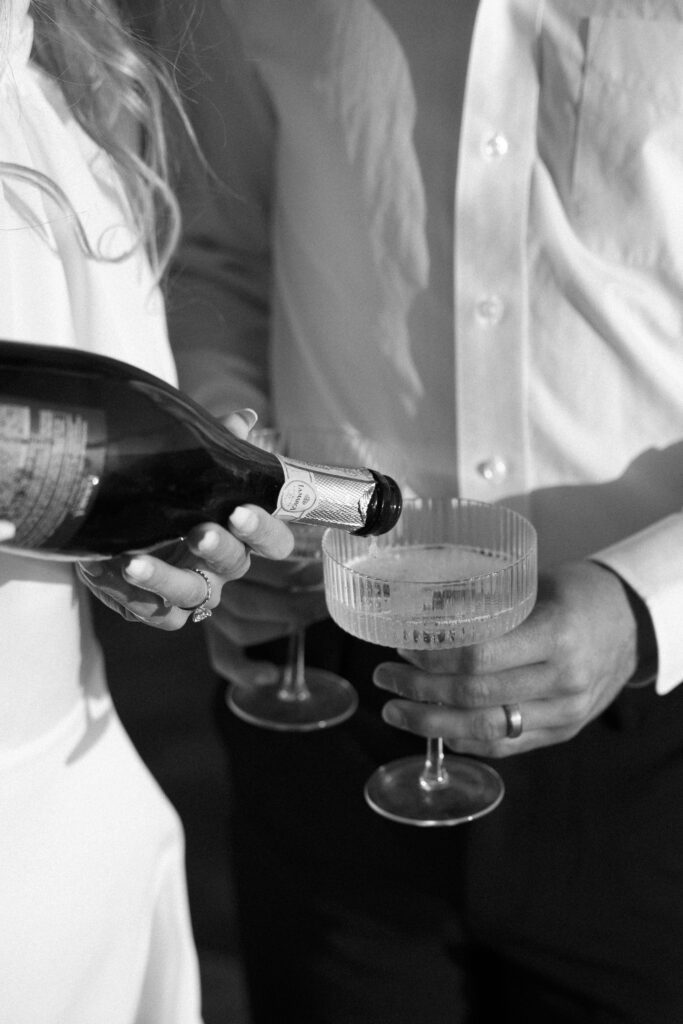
(331, 700)
(473, 789)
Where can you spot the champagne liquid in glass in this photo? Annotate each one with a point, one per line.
(391, 608)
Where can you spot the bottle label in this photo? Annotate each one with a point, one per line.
(51, 461)
(328, 495)
(298, 496)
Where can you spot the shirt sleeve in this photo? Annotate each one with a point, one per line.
(651, 562)
(219, 292)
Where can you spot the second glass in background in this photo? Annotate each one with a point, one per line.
(304, 698)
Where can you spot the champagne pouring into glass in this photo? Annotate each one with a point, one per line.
(451, 573)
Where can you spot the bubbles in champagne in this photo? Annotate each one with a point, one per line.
(428, 596)
(434, 563)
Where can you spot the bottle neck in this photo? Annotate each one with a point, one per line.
(385, 507)
(357, 500)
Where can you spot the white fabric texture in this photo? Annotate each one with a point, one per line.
(93, 903)
(546, 369)
(95, 925)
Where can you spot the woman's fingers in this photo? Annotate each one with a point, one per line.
(6, 530)
(262, 533)
(241, 422)
(165, 592)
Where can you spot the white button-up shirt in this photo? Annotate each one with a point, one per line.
(477, 262)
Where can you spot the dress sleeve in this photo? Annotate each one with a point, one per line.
(219, 291)
(651, 562)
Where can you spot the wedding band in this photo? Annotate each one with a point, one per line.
(513, 718)
(200, 611)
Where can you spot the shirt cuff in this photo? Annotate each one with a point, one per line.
(651, 562)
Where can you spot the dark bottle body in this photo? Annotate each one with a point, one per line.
(98, 458)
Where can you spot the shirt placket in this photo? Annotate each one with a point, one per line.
(495, 159)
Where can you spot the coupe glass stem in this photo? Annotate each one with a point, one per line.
(294, 676)
(434, 774)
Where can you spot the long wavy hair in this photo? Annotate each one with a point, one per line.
(119, 91)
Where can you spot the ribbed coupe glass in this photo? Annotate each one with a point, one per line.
(451, 573)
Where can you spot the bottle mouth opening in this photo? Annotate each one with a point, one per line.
(385, 507)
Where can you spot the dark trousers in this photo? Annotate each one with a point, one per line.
(563, 906)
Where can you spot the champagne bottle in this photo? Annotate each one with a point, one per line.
(98, 458)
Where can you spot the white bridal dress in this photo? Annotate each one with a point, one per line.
(93, 907)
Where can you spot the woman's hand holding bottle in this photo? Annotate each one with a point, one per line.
(165, 592)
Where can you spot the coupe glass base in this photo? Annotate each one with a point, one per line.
(329, 701)
(470, 789)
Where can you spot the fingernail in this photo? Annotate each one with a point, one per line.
(140, 569)
(392, 716)
(7, 530)
(381, 678)
(208, 542)
(250, 417)
(244, 520)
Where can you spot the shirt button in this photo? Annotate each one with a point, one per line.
(495, 146)
(489, 310)
(493, 470)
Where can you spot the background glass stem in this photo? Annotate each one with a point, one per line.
(294, 677)
(434, 773)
